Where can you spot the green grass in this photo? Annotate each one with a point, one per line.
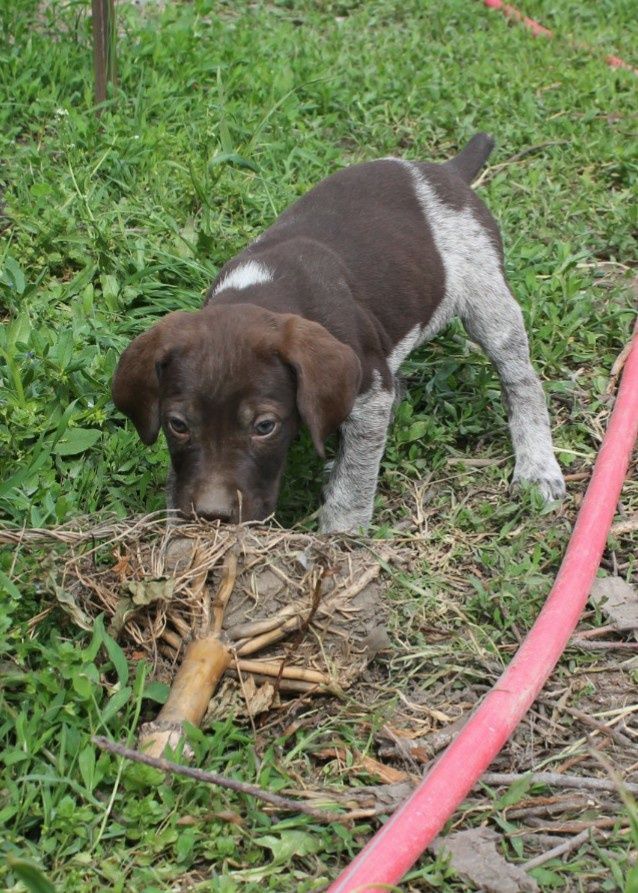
(225, 112)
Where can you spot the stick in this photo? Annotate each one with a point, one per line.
(205, 662)
(597, 645)
(269, 638)
(604, 630)
(292, 685)
(556, 851)
(231, 784)
(556, 779)
(224, 592)
(259, 627)
(588, 720)
(617, 368)
(274, 668)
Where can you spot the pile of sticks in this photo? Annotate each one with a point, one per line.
(279, 611)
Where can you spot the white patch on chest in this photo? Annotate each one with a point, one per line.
(245, 275)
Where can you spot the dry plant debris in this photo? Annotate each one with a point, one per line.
(409, 601)
(283, 611)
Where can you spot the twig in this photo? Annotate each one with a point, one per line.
(558, 780)
(224, 592)
(604, 630)
(303, 628)
(577, 825)
(549, 806)
(269, 638)
(290, 685)
(588, 720)
(255, 628)
(231, 784)
(275, 668)
(557, 851)
(588, 645)
(513, 159)
(617, 368)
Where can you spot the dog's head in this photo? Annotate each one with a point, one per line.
(229, 385)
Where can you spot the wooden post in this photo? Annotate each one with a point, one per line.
(103, 15)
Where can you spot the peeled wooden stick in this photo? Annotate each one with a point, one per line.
(257, 627)
(224, 592)
(274, 668)
(251, 645)
(205, 661)
(291, 685)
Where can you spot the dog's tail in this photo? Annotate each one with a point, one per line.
(471, 159)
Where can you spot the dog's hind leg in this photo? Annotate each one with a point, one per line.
(493, 319)
(349, 493)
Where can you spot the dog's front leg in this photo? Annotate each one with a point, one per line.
(349, 493)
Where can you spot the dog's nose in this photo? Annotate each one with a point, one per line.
(215, 502)
(224, 517)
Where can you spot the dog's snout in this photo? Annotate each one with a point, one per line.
(216, 503)
(224, 517)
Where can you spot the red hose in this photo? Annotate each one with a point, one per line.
(538, 30)
(405, 836)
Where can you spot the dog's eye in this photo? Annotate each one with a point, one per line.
(264, 427)
(177, 425)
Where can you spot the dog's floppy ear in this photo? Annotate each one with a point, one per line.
(135, 386)
(328, 375)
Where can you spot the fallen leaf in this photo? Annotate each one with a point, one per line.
(474, 856)
(289, 843)
(386, 774)
(70, 606)
(145, 592)
(375, 642)
(381, 797)
(618, 600)
(124, 610)
(258, 698)
(122, 566)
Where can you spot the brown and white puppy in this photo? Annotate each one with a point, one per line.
(310, 324)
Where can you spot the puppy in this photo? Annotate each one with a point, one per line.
(310, 324)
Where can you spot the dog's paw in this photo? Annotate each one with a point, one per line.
(339, 519)
(546, 475)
